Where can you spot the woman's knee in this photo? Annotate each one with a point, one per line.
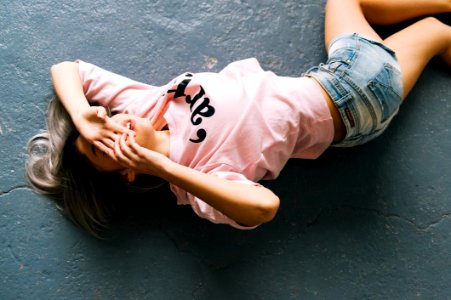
(433, 21)
(346, 16)
(436, 28)
(416, 45)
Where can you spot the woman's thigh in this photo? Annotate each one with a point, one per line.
(346, 16)
(416, 45)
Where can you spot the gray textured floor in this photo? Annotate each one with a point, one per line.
(370, 222)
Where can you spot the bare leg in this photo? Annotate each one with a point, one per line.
(417, 44)
(414, 46)
(346, 16)
(386, 12)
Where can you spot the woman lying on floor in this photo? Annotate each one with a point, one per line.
(213, 136)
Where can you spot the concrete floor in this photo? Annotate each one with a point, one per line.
(384, 234)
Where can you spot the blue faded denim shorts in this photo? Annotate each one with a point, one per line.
(363, 79)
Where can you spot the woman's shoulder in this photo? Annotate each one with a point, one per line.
(249, 65)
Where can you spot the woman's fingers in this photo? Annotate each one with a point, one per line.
(101, 112)
(134, 145)
(116, 127)
(108, 142)
(123, 153)
(129, 152)
(102, 147)
(118, 152)
(105, 145)
(110, 135)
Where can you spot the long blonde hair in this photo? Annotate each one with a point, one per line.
(56, 169)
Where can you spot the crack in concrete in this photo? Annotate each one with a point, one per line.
(13, 255)
(198, 288)
(14, 188)
(16, 258)
(424, 227)
(211, 264)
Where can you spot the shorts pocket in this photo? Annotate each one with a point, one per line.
(341, 58)
(386, 87)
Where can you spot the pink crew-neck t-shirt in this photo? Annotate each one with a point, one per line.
(241, 124)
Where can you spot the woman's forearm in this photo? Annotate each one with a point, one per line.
(67, 84)
(246, 204)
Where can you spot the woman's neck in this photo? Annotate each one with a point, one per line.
(162, 142)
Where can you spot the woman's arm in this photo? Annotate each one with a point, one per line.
(91, 121)
(248, 205)
(68, 87)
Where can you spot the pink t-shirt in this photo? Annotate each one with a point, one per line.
(241, 124)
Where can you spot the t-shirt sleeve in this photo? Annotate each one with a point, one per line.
(242, 67)
(206, 211)
(105, 88)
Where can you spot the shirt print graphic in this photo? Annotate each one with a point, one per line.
(199, 106)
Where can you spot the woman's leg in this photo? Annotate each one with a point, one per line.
(414, 46)
(386, 12)
(417, 44)
(346, 16)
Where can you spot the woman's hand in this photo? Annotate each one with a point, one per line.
(142, 160)
(246, 204)
(91, 121)
(98, 129)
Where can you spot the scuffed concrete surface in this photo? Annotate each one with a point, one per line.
(370, 222)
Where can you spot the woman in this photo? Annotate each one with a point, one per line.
(213, 136)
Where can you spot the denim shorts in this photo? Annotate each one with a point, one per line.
(363, 79)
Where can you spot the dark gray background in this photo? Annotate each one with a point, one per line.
(369, 222)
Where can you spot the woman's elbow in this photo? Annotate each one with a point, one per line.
(62, 65)
(268, 208)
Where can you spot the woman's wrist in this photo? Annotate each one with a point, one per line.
(78, 115)
(166, 169)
